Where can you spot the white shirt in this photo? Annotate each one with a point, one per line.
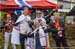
(43, 21)
(42, 36)
(24, 26)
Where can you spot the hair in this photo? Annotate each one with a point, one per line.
(5, 16)
(25, 8)
(56, 13)
(38, 20)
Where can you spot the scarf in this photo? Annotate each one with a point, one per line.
(57, 25)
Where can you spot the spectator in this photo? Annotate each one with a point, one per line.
(58, 31)
(8, 30)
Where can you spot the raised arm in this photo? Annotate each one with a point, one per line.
(47, 18)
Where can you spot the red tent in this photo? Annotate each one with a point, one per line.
(10, 4)
(34, 4)
(1, 7)
(43, 4)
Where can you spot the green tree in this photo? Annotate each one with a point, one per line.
(2, 15)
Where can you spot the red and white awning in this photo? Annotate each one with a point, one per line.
(30, 4)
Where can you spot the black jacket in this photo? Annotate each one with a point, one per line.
(55, 31)
(47, 18)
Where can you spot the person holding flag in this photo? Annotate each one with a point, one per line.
(58, 31)
(39, 35)
(43, 23)
(22, 29)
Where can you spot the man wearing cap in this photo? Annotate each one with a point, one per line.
(58, 31)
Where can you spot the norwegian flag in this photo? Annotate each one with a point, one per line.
(23, 3)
